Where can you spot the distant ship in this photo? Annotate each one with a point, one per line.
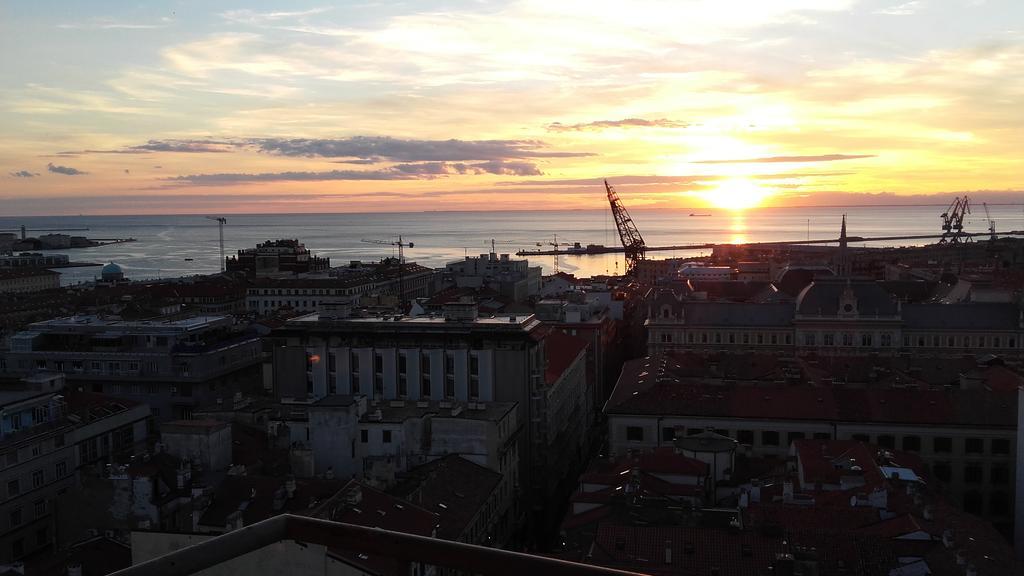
(188, 259)
(698, 214)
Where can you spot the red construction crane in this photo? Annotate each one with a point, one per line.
(632, 242)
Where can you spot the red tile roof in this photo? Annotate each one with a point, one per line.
(561, 350)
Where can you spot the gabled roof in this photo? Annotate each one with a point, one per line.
(454, 489)
(561, 350)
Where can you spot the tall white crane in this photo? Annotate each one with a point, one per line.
(221, 221)
(991, 223)
(401, 261)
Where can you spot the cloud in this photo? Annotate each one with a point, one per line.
(24, 174)
(65, 170)
(405, 171)
(111, 24)
(770, 159)
(905, 9)
(624, 123)
(189, 146)
(399, 150)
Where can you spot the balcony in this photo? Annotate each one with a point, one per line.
(404, 550)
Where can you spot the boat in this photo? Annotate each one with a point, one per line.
(188, 259)
(698, 214)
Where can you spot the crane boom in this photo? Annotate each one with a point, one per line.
(632, 242)
(401, 262)
(221, 221)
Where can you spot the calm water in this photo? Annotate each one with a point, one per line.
(164, 242)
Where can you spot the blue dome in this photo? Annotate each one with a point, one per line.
(111, 269)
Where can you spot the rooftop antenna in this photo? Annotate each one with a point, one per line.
(221, 221)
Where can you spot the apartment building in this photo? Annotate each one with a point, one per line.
(28, 280)
(966, 435)
(173, 365)
(515, 279)
(47, 435)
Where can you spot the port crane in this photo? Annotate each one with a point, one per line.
(401, 261)
(991, 223)
(632, 242)
(221, 221)
(555, 244)
(953, 222)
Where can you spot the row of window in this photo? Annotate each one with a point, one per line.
(937, 341)
(16, 518)
(425, 377)
(13, 457)
(910, 443)
(364, 436)
(14, 487)
(848, 339)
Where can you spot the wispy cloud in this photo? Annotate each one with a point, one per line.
(399, 150)
(771, 159)
(905, 9)
(624, 123)
(24, 174)
(112, 24)
(405, 171)
(65, 170)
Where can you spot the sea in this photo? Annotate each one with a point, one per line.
(170, 246)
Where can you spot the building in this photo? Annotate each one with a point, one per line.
(835, 316)
(515, 279)
(312, 294)
(34, 260)
(28, 280)
(205, 443)
(964, 430)
(458, 357)
(171, 364)
(111, 274)
(471, 502)
(47, 436)
(275, 257)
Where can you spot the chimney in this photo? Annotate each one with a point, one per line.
(668, 551)
(75, 569)
(289, 487)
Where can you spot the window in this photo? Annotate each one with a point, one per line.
(353, 365)
(474, 375)
(1000, 474)
(942, 445)
(386, 436)
(974, 445)
(668, 433)
(794, 436)
(39, 506)
(62, 469)
(830, 339)
(36, 450)
(449, 375)
(822, 436)
(15, 517)
(886, 339)
(886, 441)
(732, 338)
(403, 375)
(847, 339)
(999, 503)
(950, 342)
(425, 376)
(18, 548)
(862, 438)
(364, 435)
(942, 471)
(40, 414)
(808, 339)
(972, 502)
(770, 438)
(43, 536)
(760, 338)
(13, 487)
(58, 441)
(1000, 446)
(745, 436)
(865, 340)
(973, 473)
(912, 443)
(378, 375)
(634, 434)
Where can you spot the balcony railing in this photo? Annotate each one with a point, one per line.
(404, 548)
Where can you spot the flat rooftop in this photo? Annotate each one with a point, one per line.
(98, 322)
(520, 320)
(394, 413)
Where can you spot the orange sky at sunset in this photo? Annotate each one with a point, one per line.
(110, 107)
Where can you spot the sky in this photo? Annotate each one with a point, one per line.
(113, 107)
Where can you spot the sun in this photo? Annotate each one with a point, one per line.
(737, 194)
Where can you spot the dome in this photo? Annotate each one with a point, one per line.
(111, 269)
(112, 272)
